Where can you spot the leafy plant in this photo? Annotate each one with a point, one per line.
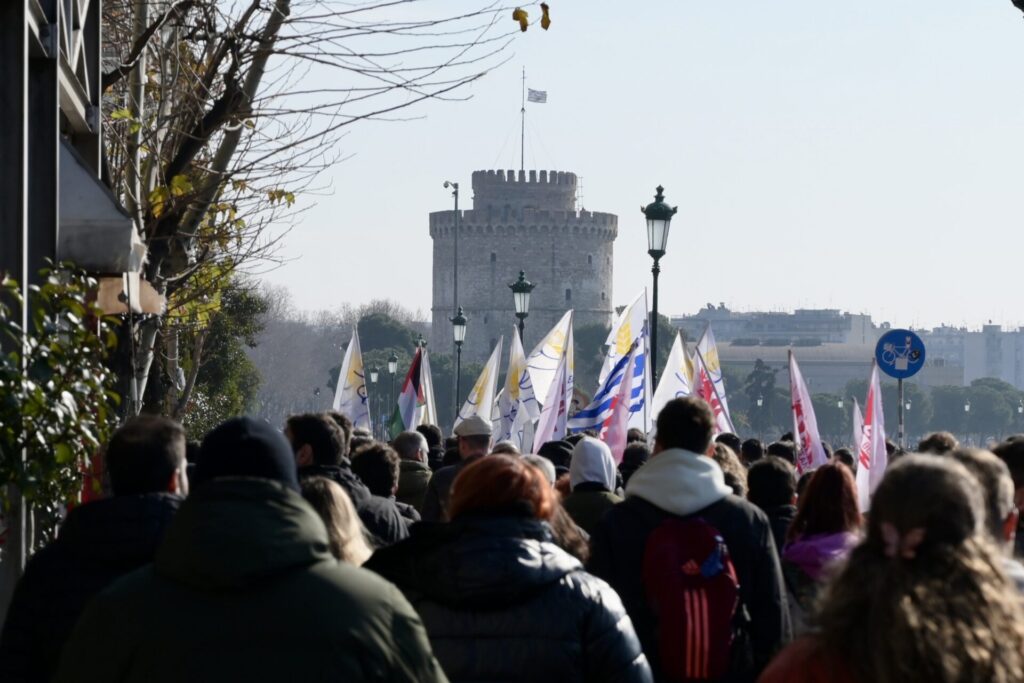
(56, 401)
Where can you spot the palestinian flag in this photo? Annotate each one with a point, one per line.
(411, 400)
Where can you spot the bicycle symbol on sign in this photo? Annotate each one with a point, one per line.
(900, 357)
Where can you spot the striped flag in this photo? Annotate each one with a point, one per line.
(597, 415)
(617, 424)
(411, 401)
(538, 96)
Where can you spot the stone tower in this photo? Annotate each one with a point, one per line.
(520, 221)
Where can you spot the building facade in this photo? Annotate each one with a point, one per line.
(520, 221)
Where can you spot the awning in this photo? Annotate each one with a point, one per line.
(96, 233)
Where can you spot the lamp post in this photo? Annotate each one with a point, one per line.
(374, 374)
(659, 218)
(392, 369)
(521, 289)
(760, 417)
(459, 336)
(455, 262)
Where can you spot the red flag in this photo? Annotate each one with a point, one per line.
(704, 387)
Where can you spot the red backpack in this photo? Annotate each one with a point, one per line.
(691, 586)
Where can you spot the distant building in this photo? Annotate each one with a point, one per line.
(802, 326)
(520, 221)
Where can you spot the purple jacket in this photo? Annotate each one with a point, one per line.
(814, 554)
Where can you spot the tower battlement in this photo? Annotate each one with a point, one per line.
(524, 189)
(520, 220)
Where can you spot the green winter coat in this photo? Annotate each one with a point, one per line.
(413, 479)
(588, 507)
(244, 589)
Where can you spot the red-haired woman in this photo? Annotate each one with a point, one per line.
(499, 599)
(822, 534)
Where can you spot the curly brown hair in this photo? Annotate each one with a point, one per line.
(936, 608)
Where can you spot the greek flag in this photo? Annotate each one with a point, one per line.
(538, 96)
(596, 415)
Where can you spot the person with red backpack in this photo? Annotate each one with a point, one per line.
(696, 566)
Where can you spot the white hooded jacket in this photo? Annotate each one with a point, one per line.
(678, 481)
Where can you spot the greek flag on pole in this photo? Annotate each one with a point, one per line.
(599, 412)
(538, 96)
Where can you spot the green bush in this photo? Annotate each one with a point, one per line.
(56, 401)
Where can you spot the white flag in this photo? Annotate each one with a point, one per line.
(516, 397)
(545, 358)
(350, 394)
(708, 350)
(675, 381)
(551, 426)
(626, 329)
(481, 398)
(704, 387)
(810, 453)
(872, 457)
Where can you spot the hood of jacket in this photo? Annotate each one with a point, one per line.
(124, 530)
(679, 482)
(816, 553)
(475, 562)
(592, 462)
(235, 532)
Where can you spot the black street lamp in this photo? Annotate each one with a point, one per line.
(659, 218)
(374, 374)
(459, 336)
(392, 370)
(521, 289)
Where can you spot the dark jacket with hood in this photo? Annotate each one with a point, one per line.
(681, 483)
(413, 479)
(382, 519)
(98, 542)
(780, 517)
(501, 602)
(244, 589)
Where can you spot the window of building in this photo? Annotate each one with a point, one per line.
(568, 295)
(485, 320)
(602, 296)
(494, 257)
(590, 259)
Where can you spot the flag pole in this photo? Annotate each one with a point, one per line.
(522, 127)
(711, 381)
(647, 368)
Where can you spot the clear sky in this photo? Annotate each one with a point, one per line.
(867, 156)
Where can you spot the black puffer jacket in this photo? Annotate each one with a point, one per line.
(501, 602)
(98, 543)
(381, 518)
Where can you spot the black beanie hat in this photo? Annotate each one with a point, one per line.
(558, 452)
(244, 447)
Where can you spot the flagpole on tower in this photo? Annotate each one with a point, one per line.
(522, 127)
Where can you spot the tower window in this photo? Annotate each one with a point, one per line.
(590, 259)
(568, 295)
(602, 296)
(494, 257)
(485, 320)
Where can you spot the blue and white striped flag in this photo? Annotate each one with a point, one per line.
(596, 415)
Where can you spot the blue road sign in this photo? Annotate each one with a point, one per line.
(900, 354)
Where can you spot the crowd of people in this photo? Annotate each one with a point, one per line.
(311, 551)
